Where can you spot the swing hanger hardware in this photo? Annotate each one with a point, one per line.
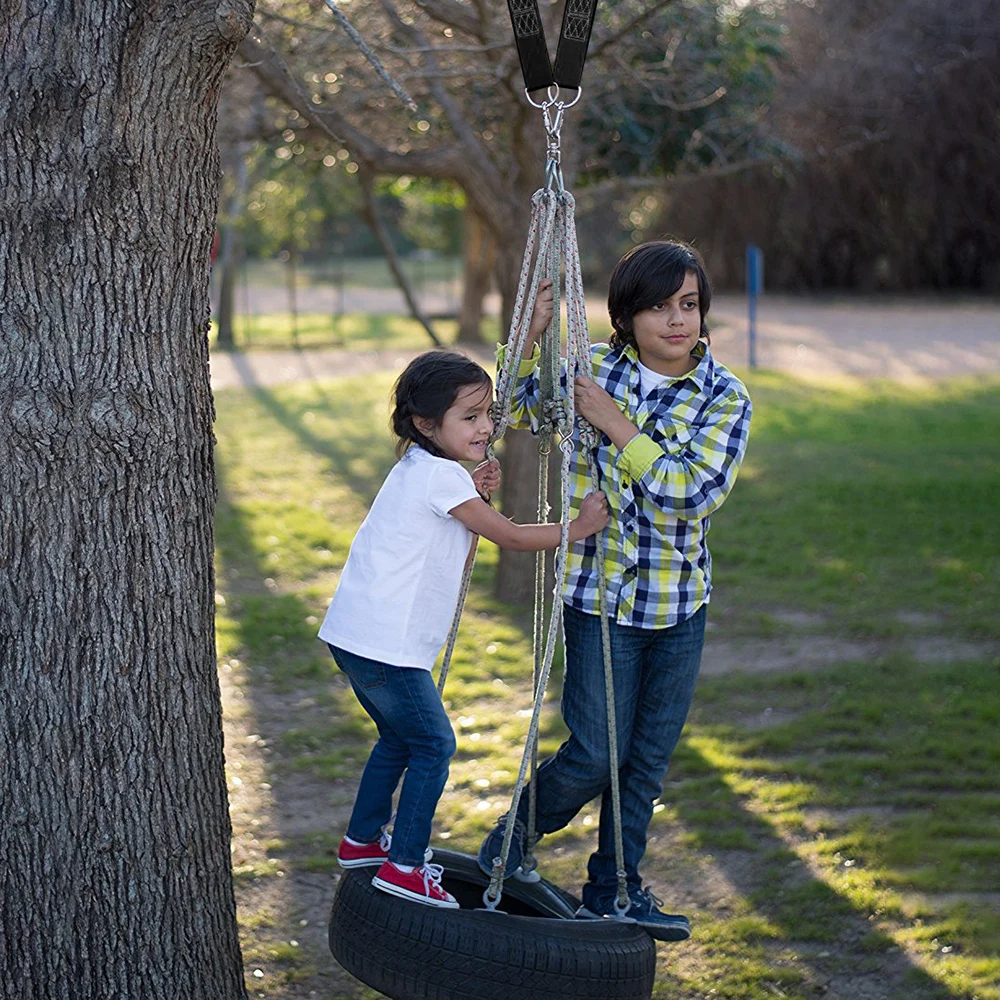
(537, 69)
(541, 74)
(552, 98)
(553, 123)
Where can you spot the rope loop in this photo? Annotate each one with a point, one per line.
(588, 434)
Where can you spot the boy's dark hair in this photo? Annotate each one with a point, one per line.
(427, 388)
(650, 273)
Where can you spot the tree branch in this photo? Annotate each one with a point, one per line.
(454, 14)
(604, 190)
(451, 162)
(442, 163)
(456, 119)
(373, 59)
(371, 216)
(598, 47)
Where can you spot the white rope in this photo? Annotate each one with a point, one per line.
(557, 248)
(551, 251)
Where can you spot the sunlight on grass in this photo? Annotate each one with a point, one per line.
(351, 331)
(824, 825)
(868, 500)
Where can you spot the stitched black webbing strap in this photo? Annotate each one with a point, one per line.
(531, 48)
(574, 37)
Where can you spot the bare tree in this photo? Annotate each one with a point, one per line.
(115, 876)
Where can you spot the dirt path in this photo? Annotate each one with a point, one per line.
(901, 340)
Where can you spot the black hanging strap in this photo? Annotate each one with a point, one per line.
(574, 37)
(531, 48)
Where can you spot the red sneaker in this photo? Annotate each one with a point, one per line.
(363, 855)
(422, 885)
(360, 855)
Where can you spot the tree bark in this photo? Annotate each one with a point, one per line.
(479, 259)
(515, 579)
(115, 874)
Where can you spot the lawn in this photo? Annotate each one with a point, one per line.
(358, 331)
(831, 832)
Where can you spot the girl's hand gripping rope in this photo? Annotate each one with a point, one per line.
(486, 477)
(593, 517)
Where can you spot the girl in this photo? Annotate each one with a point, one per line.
(674, 425)
(393, 608)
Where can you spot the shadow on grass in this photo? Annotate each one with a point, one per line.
(782, 909)
(274, 635)
(358, 455)
(883, 499)
(790, 903)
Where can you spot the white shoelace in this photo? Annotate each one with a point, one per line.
(432, 876)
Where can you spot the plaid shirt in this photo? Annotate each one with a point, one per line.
(661, 486)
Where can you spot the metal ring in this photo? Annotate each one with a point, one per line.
(563, 105)
(545, 104)
(553, 101)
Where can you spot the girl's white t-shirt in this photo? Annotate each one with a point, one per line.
(398, 591)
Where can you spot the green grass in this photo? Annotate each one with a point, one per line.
(357, 331)
(866, 503)
(355, 272)
(830, 832)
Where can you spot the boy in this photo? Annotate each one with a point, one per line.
(674, 427)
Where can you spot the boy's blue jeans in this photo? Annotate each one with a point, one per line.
(655, 671)
(415, 736)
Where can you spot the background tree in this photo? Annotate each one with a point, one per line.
(115, 876)
(890, 112)
(473, 126)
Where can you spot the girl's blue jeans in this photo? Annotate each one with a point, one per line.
(655, 671)
(414, 737)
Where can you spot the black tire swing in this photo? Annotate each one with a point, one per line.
(531, 950)
(519, 939)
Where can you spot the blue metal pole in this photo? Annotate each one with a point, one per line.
(755, 283)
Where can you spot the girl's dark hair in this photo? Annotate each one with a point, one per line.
(650, 273)
(427, 388)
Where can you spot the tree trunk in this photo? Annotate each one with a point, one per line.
(115, 874)
(479, 259)
(515, 580)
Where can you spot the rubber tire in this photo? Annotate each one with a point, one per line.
(409, 951)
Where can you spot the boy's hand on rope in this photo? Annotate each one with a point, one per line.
(486, 477)
(596, 405)
(541, 315)
(593, 516)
